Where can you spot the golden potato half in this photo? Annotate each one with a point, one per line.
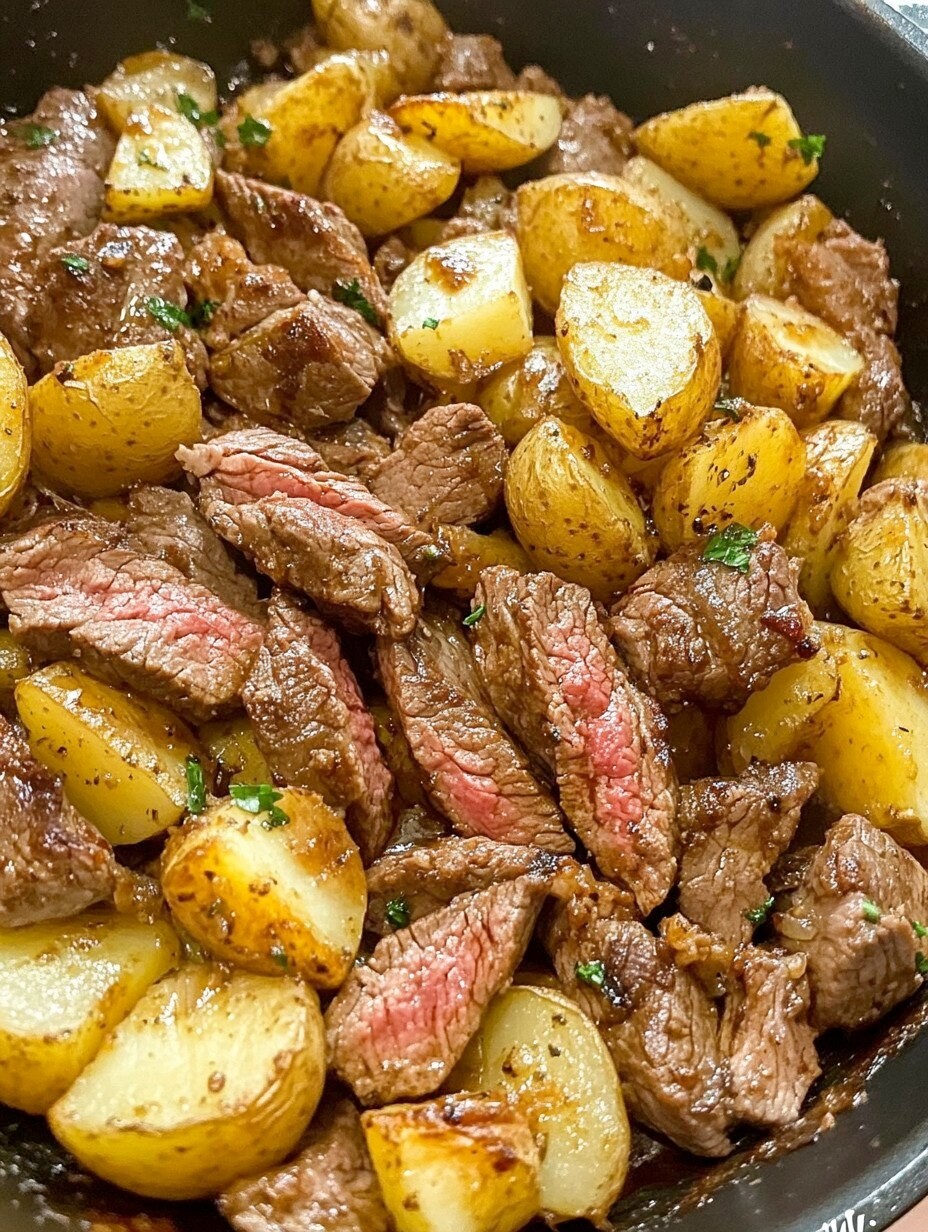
(155, 78)
(412, 32)
(15, 425)
(522, 393)
(763, 268)
(161, 166)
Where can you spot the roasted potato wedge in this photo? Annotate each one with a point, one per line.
(783, 356)
(724, 313)
(383, 178)
(879, 571)
(763, 266)
(15, 426)
(212, 1076)
(122, 758)
(485, 130)
(155, 78)
(461, 1163)
(902, 460)
(838, 455)
(747, 470)
(574, 512)
(270, 891)
(231, 744)
(114, 418)
(161, 166)
(540, 1048)
(739, 152)
(522, 393)
(471, 553)
(563, 219)
(641, 353)
(412, 32)
(64, 986)
(461, 308)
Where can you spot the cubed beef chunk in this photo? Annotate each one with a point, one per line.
(553, 676)
(845, 280)
(311, 723)
(390, 259)
(595, 136)
(733, 832)
(446, 468)
(697, 630)
(353, 448)
(767, 1037)
(857, 917)
(472, 771)
(312, 240)
(329, 1185)
(473, 62)
(52, 191)
(486, 205)
(53, 863)
(73, 587)
(402, 1019)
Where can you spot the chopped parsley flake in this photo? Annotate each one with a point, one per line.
(253, 131)
(430, 323)
(77, 265)
(732, 547)
(171, 316)
(921, 963)
(919, 929)
(202, 313)
(351, 295)
(758, 915)
(811, 146)
(145, 159)
(397, 912)
(188, 107)
(36, 136)
(592, 973)
(198, 12)
(730, 268)
(477, 614)
(260, 798)
(279, 956)
(761, 138)
(706, 261)
(196, 786)
(732, 407)
(871, 912)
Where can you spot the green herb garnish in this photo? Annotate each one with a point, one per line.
(188, 107)
(477, 614)
(870, 911)
(351, 295)
(758, 915)
(279, 955)
(260, 798)
(761, 138)
(77, 265)
(36, 136)
(171, 316)
(921, 963)
(253, 131)
(144, 159)
(706, 261)
(811, 146)
(202, 313)
(397, 912)
(732, 547)
(196, 785)
(730, 268)
(198, 12)
(732, 407)
(919, 929)
(592, 973)
(430, 323)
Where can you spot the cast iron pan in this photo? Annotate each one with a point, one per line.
(858, 73)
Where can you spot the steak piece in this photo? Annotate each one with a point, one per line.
(553, 676)
(390, 259)
(330, 1185)
(845, 280)
(311, 364)
(53, 863)
(473, 62)
(52, 192)
(767, 1037)
(166, 524)
(74, 588)
(595, 136)
(693, 630)
(733, 832)
(423, 878)
(706, 954)
(312, 240)
(486, 205)
(311, 724)
(447, 468)
(401, 1021)
(352, 448)
(854, 918)
(473, 772)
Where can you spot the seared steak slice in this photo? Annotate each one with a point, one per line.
(164, 523)
(311, 723)
(693, 630)
(311, 364)
(402, 1020)
(51, 193)
(733, 832)
(419, 880)
(245, 466)
(73, 587)
(473, 62)
(854, 918)
(473, 772)
(312, 240)
(845, 280)
(329, 1186)
(767, 1037)
(447, 467)
(552, 674)
(53, 863)
(353, 448)
(595, 136)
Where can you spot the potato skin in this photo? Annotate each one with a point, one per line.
(161, 167)
(154, 77)
(114, 418)
(15, 426)
(879, 573)
(471, 553)
(902, 460)
(528, 390)
(763, 266)
(745, 471)
(413, 33)
(574, 512)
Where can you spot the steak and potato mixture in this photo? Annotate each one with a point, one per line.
(464, 564)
